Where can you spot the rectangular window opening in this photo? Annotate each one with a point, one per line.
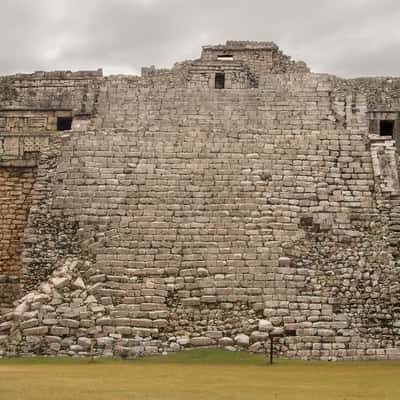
(64, 123)
(225, 57)
(386, 127)
(219, 80)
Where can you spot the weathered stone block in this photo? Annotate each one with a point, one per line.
(59, 331)
(37, 331)
(201, 341)
(242, 340)
(69, 323)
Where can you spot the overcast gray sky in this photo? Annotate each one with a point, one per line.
(345, 37)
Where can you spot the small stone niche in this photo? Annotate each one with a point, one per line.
(386, 127)
(64, 123)
(220, 80)
(225, 57)
(306, 221)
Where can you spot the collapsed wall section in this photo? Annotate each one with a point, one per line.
(32, 107)
(16, 185)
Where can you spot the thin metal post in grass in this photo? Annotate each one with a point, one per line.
(278, 332)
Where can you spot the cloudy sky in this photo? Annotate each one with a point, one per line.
(345, 37)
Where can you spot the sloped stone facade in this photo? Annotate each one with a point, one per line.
(177, 213)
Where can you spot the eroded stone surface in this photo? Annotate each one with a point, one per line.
(175, 214)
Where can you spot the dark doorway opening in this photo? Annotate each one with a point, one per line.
(219, 80)
(64, 123)
(386, 127)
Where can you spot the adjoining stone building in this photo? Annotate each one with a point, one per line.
(203, 205)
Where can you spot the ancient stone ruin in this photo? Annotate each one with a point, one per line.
(206, 205)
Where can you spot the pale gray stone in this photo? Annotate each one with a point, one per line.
(201, 341)
(79, 284)
(225, 341)
(183, 340)
(265, 325)
(60, 282)
(242, 340)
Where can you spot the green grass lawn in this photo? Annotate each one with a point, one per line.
(194, 375)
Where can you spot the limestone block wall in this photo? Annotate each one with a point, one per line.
(15, 200)
(382, 101)
(75, 91)
(214, 210)
(260, 57)
(236, 75)
(189, 246)
(29, 107)
(22, 146)
(382, 92)
(188, 216)
(350, 295)
(23, 121)
(163, 103)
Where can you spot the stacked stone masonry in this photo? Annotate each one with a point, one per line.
(15, 201)
(184, 209)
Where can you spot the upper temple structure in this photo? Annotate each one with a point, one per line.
(228, 199)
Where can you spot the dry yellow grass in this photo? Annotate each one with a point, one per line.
(197, 375)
